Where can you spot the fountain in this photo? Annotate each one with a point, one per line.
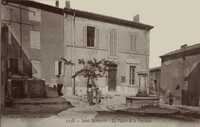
(142, 98)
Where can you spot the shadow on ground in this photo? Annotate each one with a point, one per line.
(34, 108)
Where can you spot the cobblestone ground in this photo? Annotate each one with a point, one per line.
(101, 115)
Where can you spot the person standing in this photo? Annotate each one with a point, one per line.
(170, 98)
(59, 85)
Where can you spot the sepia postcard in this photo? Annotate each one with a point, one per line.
(112, 63)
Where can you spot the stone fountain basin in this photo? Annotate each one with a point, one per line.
(134, 101)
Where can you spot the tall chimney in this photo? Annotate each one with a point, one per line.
(67, 4)
(136, 18)
(57, 3)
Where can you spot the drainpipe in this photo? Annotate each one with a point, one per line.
(64, 55)
(74, 33)
(0, 60)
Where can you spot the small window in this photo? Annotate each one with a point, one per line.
(132, 75)
(35, 39)
(90, 36)
(133, 41)
(14, 65)
(123, 79)
(34, 14)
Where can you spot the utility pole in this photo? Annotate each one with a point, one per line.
(0, 60)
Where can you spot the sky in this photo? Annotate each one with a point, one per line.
(176, 22)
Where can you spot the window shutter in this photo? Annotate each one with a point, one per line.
(115, 42)
(111, 42)
(38, 40)
(32, 39)
(9, 38)
(135, 41)
(56, 67)
(97, 37)
(84, 36)
(131, 42)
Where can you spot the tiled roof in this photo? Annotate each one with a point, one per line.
(187, 48)
(84, 14)
(36, 4)
(109, 19)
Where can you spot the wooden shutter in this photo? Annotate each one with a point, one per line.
(37, 34)
(111, 42)
(32, 39)
(9, 38)
(97, 37)
(56, 68)
(131, 42)
(115, 43)
(84, 36)
(135, 42)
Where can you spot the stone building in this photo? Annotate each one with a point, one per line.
(44, 34)
(33, 44)
(90, 35)
(180, 74)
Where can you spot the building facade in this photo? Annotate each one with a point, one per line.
(33, 36)
(126, 43)
(176, 67)
(41, 35)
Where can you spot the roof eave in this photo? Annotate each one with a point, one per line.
(108, 19)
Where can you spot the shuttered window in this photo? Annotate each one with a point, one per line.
(90, 36)
(113, 42)
(35, 39)
(133, 42)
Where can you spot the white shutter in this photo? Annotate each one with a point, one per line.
(97, 37)
(135, 41)
(56, 67)
(37, 40)
(131, 42)
(111, 42)
(32, 39)
(9, 38)
(84, 36)
(115, 42)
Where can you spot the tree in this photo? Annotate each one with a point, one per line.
(92, 69)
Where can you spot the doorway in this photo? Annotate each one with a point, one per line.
(112, 77)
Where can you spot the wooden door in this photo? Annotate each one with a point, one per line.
(112, 78)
